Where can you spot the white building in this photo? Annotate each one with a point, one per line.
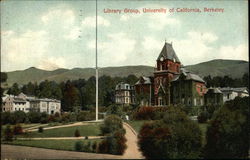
(124, 93)
(231, 93)
(26, 103)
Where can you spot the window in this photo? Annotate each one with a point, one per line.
(228, 96)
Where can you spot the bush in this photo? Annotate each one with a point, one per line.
(17, 129)
(44, 118)
(77, 133)
(85, 116)
(203, 117)
(115, 143)
(86, 137)
(149, 113)
(228, 131)
(8, 133)
(111, 124)
(176, 136)
(34, 117)
(115, 110)
(79, 146)
(19, 117)
(40, 129)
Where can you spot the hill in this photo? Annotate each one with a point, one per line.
(233, 68)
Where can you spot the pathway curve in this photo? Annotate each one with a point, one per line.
(132, 151)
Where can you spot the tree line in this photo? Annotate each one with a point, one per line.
(75, 94)
(227, 81)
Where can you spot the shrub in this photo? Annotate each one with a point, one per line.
(8, 133)
(85, 116)
(44, 117)
(228, 131)
(86, 137)
(79, 146)
(77, 133)
(19, 117)
(111, 124)
(87, 147)
(34, 117)
(17, 129)
(40, 129)
(115, 143)
(203, 117)
(116, 110)
(176, 136)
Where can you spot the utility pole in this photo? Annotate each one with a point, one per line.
(96, 100)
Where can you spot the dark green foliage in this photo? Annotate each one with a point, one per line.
(228, 131)
(34, 117)
(173, 137)
(17, 130)
(149, 113)
(85, 116)
(116, 110)
(79, 146)
(111, 124)
(8, 133)
(77, 133)
(115, 143)
(86, 137)
(14, 90)
(44, 117)
(203, 117)
(4, 77)
(40, 129)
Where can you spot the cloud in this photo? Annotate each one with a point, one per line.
(239, 52)
(24, 49)
(73, 34)
(116, 51)
(150, 43)
(52, 63)
(91, 21)
(60, 17)
(160, 20)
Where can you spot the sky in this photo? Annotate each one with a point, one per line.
(61, 34)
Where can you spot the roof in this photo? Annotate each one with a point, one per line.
(214, 90)
(229, 89)
(188, 76)
(147, 80)
(168, 52)
(123, 86)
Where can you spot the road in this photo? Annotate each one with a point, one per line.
(23, 152)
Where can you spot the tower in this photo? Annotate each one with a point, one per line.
(168, 65)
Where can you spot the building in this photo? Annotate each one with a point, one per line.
(144, 88)
(188, 89)
(124, 94)
(171, 83)
(231, 93)
(213, 97)
(167, 67)
(27, 103)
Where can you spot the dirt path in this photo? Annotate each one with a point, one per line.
(61, 126)
(22, 152)
(60, 138)
(132, 152)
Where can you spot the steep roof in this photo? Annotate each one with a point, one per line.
(147, 80)
(168, 52)
(214, 90)
(228, 89)
(123, 86)
(188, 76)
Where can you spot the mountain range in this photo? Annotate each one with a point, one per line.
(219, 67)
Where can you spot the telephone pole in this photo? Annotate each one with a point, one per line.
(96, 100)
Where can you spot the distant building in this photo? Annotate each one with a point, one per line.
(144, 89)
(188, 89)
(231, 93)
(213, 97)
(124, 93)
(26, 103)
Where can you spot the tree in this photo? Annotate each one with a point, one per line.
(228, 131)
(17, 129)
(111, 124)
(14, 90)
(176, 136)
(8, 133)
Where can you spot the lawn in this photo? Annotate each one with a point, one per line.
(203, 127)
(85, 130)
(137, 124)
(51, 144)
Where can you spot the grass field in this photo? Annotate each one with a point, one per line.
(137, 124)
(51, 144)
(85, 130)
